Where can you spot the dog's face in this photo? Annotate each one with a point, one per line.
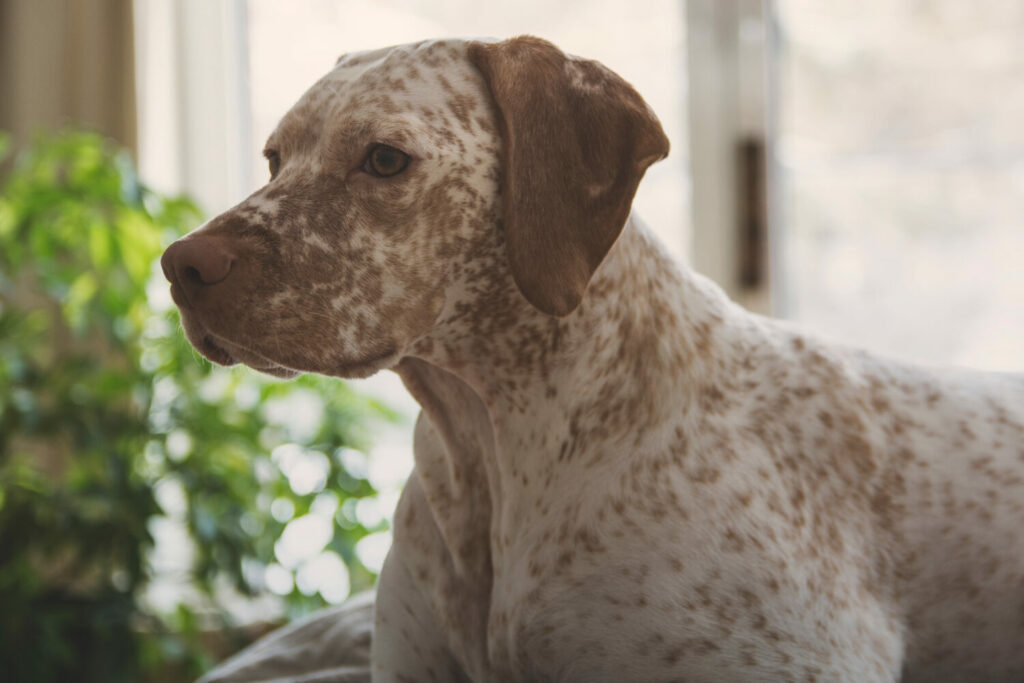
(380, 175)
(403, 184)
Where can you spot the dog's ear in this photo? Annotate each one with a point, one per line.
(578, 139)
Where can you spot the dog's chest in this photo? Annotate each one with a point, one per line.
(614, 584)
(579, 611)
(576, 561)
(619, 574)
(671, 557)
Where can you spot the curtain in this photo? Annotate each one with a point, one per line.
(67, 62)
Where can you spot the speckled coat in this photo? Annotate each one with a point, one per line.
(620, 475)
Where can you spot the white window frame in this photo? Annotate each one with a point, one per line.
(729, 46)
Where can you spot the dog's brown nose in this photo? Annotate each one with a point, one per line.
(196, 262)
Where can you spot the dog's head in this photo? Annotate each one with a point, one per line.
(404, 185)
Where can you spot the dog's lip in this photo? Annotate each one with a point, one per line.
(227, 352)
(178, 296)
(364, 367)
(219, 349)
(235, 353)
(218, 354)
(240, 354)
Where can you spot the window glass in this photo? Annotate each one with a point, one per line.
(902, 152)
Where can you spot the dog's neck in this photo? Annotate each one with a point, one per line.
(642, 315)
(524, 393)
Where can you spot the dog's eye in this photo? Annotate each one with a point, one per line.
(273, 160)
(385, 161)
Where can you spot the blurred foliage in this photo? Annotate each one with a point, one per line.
(110, 425)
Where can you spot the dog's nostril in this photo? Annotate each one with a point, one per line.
(191, 274)
(197, 261)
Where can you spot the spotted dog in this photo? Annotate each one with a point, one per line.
(619, 474)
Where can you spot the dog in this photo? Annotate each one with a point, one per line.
(619, 474)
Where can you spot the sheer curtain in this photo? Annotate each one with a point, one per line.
(67, 62)
(193, 92)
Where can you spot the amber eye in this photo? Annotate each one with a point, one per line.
(273, 160)
(385, 161)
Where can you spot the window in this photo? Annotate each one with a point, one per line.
(901, 154)
(894, 152)
(888, 136)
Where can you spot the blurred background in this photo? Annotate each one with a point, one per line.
(855, 167)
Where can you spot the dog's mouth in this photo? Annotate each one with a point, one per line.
(222, 351)
(217, 350)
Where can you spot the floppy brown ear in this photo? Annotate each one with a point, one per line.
(577, 140)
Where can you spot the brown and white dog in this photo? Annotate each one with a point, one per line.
(620, 475)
